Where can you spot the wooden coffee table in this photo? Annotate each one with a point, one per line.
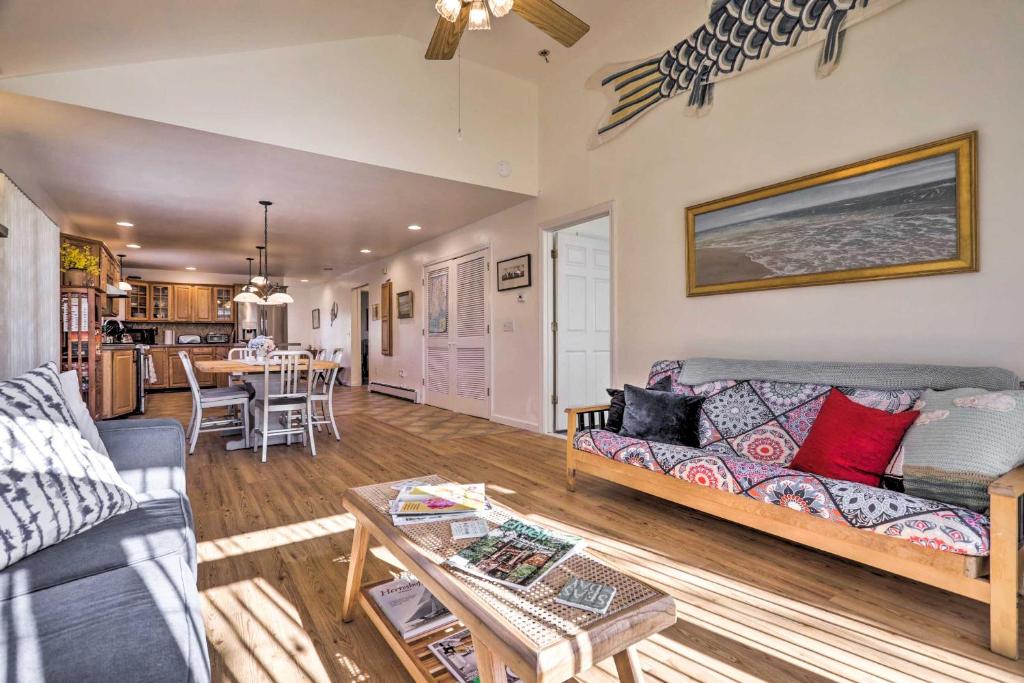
(539, 639)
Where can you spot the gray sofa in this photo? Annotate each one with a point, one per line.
(118, 602)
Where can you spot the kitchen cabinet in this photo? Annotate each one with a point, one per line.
(182, 303)
(160, 308)
(203, 353)
(202, 303)
(160, 367)
(119, 382)
(138, 302)
(176, 371)
(224, 304)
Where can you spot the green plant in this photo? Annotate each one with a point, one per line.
(78, 258)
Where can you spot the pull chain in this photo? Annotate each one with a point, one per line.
(459, 136)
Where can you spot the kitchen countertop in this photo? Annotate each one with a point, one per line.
(173, 346)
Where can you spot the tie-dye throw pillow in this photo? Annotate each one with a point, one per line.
(53, 484)
(963, 440)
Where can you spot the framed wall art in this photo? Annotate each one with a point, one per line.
(405, 310)
(514, 273)
(905, 214)
(386, 324)
(316, 318)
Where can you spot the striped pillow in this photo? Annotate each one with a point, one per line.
(53, 484)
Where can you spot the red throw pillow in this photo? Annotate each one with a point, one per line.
(852, 442)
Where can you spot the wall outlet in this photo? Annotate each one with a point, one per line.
(508, 326)
(401, 373)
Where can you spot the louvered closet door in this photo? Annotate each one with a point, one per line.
(456, 363)
(437, 363)
(470, 364)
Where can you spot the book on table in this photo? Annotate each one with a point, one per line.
(457, 654)
(410, 607)
(423, 503)
(516, 554)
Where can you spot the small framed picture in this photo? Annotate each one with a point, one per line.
(316, 318)
(405, 305)
(514, 273)
(375, 311)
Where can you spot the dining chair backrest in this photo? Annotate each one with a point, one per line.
(241, 353)
(193, 383)
(321, 354)
(289, 366)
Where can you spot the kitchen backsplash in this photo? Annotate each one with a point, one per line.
(177, 329)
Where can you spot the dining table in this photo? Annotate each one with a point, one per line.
(255, 384)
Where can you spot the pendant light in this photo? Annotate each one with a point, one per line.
(247, 295)
(259, 280)
(270, 293)
(449, 9)
(479, 17)
(500, 8)
(123, 285)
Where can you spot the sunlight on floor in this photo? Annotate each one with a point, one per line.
(834, 644)
(264, 539)
(259, 635)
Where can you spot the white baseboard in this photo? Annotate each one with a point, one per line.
(512, 422)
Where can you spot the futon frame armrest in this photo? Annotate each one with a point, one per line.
(1010, 485)
(588, 417)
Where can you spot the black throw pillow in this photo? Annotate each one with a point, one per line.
(662, 416)
(618, 403)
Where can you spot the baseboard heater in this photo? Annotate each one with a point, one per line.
(392, 390)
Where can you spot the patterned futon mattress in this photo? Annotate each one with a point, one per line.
(924, 522)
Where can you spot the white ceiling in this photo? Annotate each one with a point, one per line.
(63, 35)
(193, 196)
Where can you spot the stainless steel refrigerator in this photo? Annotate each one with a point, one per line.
(252, 320)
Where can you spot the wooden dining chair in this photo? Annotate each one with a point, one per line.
(285, 370)
(323, 396)
(234, 398)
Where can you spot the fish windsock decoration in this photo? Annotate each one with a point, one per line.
(738, 35)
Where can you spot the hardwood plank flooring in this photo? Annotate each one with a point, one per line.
(274, 543)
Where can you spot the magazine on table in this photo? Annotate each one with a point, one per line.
(457, 654)
(410, 607)
(516, 554)
(409, 520)
(440, 499)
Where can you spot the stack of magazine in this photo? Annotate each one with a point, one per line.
(457, 654)
(422, 503)
(410, 607)
(516, 554)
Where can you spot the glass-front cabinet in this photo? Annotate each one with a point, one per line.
(161, 296)
(224, 306)
(138, 302)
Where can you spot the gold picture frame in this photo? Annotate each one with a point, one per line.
(729, 265)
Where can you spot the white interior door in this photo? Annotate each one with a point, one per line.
(583, 317)
(457, 350)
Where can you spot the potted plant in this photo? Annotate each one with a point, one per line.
(78, 264)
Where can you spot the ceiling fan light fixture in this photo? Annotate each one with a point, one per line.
(449, 9)
(479, 17)
(500, 8)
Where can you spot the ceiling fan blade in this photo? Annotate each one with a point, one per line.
(445, 42)
(553, 19)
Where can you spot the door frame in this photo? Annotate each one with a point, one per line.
(548, 343)
(355, 375)
(488, 303)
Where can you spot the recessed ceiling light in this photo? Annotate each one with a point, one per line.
(134, 246)
(303, 280)
(364, 251)
(190, 267)
(415, 227)
(126, 224)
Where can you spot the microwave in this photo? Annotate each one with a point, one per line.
(218, 338)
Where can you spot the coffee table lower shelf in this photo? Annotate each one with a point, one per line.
(417, 659)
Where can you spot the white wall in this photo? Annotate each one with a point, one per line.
(184, 276)
(374, 100)
(922, 71)
(515, 355)
(29, 284)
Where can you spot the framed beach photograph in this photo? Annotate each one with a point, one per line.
(316, 318)
(905, 214)
(514, 273)
(405, 305)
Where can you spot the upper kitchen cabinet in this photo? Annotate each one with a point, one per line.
(182, 308)
(224, 304)
(138, 301)
(161, 298)
(202, 303)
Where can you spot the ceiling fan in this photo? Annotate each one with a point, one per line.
(458, 16)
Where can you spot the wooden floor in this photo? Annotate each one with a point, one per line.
(274, 542)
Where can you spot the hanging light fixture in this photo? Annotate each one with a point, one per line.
(248, 293)
(479, 17)
(500, 8)
(259, 280)
(449, 9)
(123, 285)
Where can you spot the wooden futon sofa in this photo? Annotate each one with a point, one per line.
(993, 577)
